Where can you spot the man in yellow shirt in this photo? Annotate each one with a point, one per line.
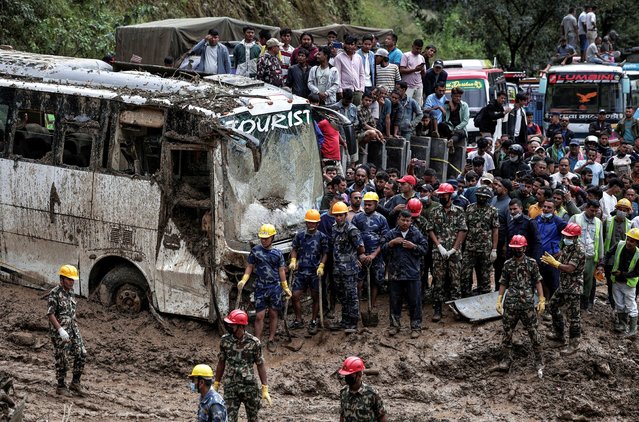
(543, 194)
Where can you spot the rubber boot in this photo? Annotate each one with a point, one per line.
(620, 324)
(62, 389)
(632, 327)
(556, 335)
(437, 314)
(573, 346)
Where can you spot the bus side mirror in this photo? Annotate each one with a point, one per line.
(625, 85)
(543, 84)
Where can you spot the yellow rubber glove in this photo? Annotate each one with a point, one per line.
(541, 306)
(265, 395)
(293, 265)
(287, 291)
(216, 386)
(550, 260)
(498, 306)
(243, 281)
(320, 269)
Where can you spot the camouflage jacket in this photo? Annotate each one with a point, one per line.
(212, 408)
(520, 277)
(269, 69)
(363, 405)
(345, 241)
(62, 305)
(405, 264)
(267, 264)
(310, 248)
(240, 356)
(481, 221)
(572, 282)
(446, 225)
(372, 228)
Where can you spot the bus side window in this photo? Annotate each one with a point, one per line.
(138, 143)
(34, 135)
(4, 116)
(77, 148)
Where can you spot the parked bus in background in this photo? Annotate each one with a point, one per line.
(153, 187)
(579, 91)
(632, 70)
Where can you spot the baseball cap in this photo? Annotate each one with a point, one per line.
(453, 182)
(408, 179)
(273, 42)
(427, 188)
(337, 45)
(438, 63)
(535, 138)
(540, 148)
(575, 142)
(381, 52)
(487, 177)
(602, 111)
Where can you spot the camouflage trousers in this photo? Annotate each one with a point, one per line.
(528, 317)
(61, 352)
(480, 262)
(571, 302)
(347, 296)
(236, 393)
(446, 277)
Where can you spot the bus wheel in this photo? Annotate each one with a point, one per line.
(125, 287)
(128, 299)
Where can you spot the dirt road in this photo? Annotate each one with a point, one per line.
(137, 372)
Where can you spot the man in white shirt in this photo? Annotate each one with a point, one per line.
(591, 163)
(412, 68)
(482, 148)
(563, 173)
(591, 25)
(609, 199)
(581, 30)
(368, 59)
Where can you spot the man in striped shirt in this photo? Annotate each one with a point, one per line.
(386, 73)
(286, 50)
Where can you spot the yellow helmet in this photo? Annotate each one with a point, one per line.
(371, 196)
(266, 231)
(623, 202)
(312, 216)
(339, 208)
(69, 271)
(634, 233)
(202, 370)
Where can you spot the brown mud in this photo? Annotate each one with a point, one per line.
(135, 371)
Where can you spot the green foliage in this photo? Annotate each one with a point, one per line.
(388, 14)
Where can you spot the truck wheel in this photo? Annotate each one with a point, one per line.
(126, 289)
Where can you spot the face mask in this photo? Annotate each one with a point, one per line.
(193, 389)
(547, 215)
(568, 242)
(426, 199)
(516, 216)
(621, 154)
(514, 159)
(518, 252)
(350, 380)
(621, 214)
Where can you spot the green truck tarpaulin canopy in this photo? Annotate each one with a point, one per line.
(153, 41)
(319, 33)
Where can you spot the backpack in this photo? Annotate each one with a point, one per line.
(479, 117)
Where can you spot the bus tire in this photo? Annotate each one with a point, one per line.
(126, 289)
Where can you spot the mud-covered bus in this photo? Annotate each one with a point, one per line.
(155, 188)
(579, 91)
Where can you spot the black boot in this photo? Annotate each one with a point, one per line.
(437, 314)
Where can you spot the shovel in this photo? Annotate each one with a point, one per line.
(369, 319)
(288, 333)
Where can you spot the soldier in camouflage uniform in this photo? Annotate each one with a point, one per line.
(481, 243)
(270, 270)
(570, 261)
(347, 245)
(520, 275)
(239, 351)
(64, 331)
(447, 231)
(405, 247)
(372, 226)
(359, 402)
(211, 408)
(269, 67)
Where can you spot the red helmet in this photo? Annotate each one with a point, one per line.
(445, 188)
(351, 365)
(414, 205)
(237, 316)
(518, 241)
(572, 230)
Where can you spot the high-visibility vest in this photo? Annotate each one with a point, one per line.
(631, 282)
(611, 228)
(581, 221)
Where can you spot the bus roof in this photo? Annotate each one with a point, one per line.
(468, 64)
(585, 67)
(457, 73)
(217, 95)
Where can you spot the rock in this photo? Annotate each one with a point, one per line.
(603, 369)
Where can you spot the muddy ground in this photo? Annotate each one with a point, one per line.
(135, 371)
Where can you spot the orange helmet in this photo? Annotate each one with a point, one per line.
(518, 241)
(237, 316)
(414, 205)
(572, 230)
(352, 364)
(445, 188)
(312, 216)
(339, 208)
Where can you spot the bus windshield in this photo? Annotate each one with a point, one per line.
(474, 91)
(587, 98)
(276, 181)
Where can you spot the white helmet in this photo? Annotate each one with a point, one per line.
(591, 138)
